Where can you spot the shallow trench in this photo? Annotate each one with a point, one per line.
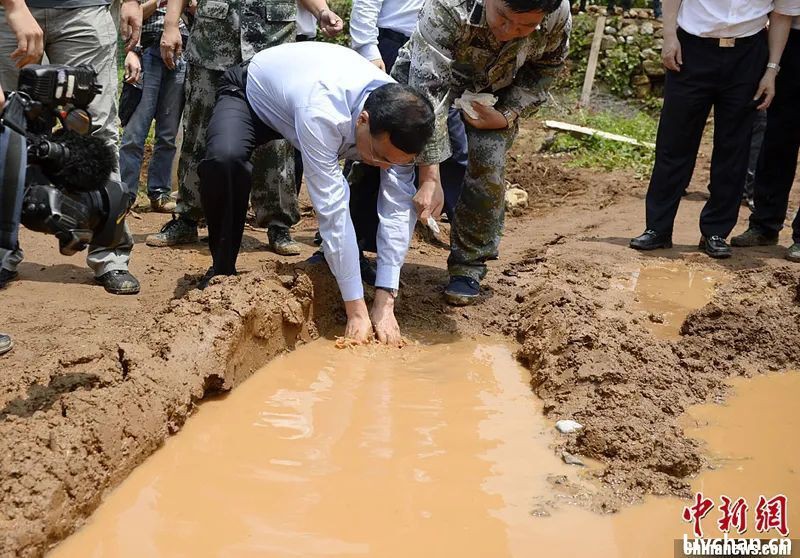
(439, 449)
(207, 343)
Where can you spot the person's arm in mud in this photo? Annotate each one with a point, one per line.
(171, 40)
(318, 141)
(779, 27)
(330, 23)
(425, 64)
(397, 220)
(532, 82)
(364, 30)
(30, 38)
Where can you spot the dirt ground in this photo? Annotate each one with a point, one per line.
(96, 382)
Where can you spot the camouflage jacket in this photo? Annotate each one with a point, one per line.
(453, 49)
(226, 32)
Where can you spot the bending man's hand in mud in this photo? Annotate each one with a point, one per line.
(359, 326)
(386, 326)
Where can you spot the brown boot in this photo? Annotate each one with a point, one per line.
(162, 204)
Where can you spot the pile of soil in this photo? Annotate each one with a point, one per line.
(593, 360)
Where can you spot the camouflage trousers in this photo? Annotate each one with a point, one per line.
(480, 212)
(273, 194)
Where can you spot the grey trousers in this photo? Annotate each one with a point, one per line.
(76, 36)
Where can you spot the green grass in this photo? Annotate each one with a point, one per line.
(594, 152)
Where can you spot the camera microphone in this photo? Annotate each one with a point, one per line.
(76, 161)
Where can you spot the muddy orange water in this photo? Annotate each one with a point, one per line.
(670, 292)
(431, 451)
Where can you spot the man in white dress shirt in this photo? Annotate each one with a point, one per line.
(715, 52)
(331, 104)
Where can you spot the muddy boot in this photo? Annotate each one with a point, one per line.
(462, 291)
(6, 344)
(119, 282)
(754, 237)
(178, 230)
(6, 276)
(281, 242)
(793, 253)
(162, 204)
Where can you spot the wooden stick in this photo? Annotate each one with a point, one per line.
(594, 54)
(572, 128)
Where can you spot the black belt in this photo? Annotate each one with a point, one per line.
(395, 36)
(723, 42)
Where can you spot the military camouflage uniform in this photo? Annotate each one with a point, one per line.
(227, 32)
(453, 50)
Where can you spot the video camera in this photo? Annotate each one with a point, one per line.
(67, 188)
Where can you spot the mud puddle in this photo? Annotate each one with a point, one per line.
(436, 451)
(668, 293)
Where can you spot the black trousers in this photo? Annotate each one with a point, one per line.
(234, 132)
(778, 162)
(365, 180)
(711, 76)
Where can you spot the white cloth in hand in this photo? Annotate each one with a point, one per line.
(464, 102)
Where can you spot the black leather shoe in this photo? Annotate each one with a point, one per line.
(119, 282)
(208, 276)
(715, 246)
(651, 240)
(6, 276)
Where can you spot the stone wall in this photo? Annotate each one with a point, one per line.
(630, 51)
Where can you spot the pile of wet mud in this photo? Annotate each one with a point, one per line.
(106, 408)
(594, 360)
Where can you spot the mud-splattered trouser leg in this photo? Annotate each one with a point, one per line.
(272, 195)
(479, 215)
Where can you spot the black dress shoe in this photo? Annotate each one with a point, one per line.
(715, 246)
(6, 276)
(651, 240)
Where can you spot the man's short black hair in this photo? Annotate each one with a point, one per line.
(524, 6)
(402, 112)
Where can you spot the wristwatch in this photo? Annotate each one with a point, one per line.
(138, 50)
(774, 66)
(393, 292)
(511, 117)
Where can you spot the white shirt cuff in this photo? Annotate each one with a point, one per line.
(388, 276)
(370, 52)
(351, 289)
